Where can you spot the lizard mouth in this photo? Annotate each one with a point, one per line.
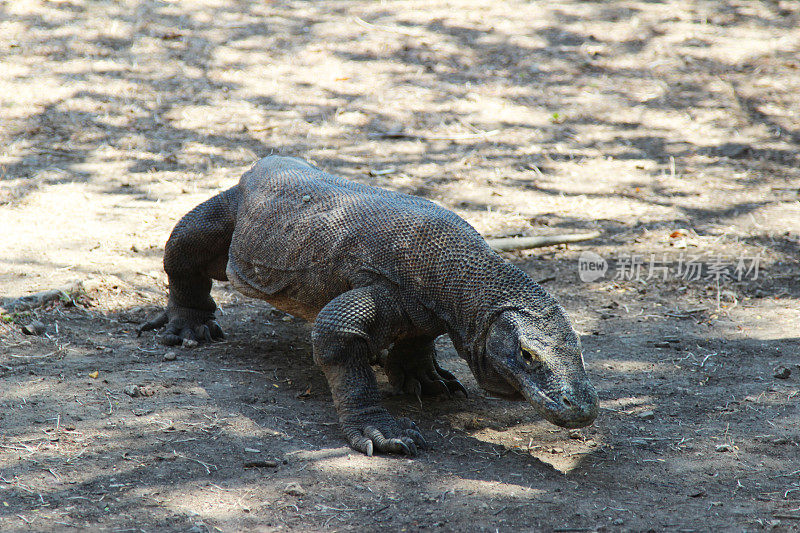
(570, 406)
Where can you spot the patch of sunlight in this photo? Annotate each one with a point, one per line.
(28, 390)
(632, 366)
(564, 464)
(479, 488)
(344, 460)
(627, 403)
(211, 501)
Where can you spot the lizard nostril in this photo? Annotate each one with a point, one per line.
(567, 403)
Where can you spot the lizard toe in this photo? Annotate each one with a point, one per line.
(203, 332)
(155, 323)
(413, 386)
(400, 445)
(360, 443)
(170, 339)
(188, 334)
(412, 431)
(435, 387)
(216, 330)
(454, 386)
(445, 374)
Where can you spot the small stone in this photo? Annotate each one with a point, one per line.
(556, 450)
(131, 390)
(294, 489)
(34, 328)
(663, 344)
(591, 443)
(575, 434)
(647, 415)
(782, 372)
(287, 318)
(723, 448)
(697, 493)
(170, 356)
(306, 198)
(189, 343)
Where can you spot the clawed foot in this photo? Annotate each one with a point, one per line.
(377, 430)
(185, 324)
(423, 377)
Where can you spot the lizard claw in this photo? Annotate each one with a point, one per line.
(456, 386)
(413, 431)
(156, 323)
(384, 434)
(184, 324)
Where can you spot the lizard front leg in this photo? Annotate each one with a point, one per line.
(345, 335)
(412, 368)
(196, 253)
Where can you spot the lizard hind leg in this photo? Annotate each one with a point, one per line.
(411, 367)
(196, 253)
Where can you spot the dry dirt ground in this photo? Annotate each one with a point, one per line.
(670, 126)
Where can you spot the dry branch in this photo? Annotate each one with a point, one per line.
(508, 244)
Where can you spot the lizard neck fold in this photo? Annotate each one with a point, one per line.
(501, 287)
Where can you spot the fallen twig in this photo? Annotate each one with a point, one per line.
(507, 244)
(207, 466)
(240, 370)
(688, 313)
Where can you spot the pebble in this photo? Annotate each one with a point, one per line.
(782, 372)
(306, 198)
(131, 390)
(34, 328)
(189, 343)
(170, 356)
(723, 448)
(294, 489)
(647, 415)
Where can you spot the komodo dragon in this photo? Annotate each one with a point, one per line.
(375, 269)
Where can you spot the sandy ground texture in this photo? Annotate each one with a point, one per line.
(671, 126)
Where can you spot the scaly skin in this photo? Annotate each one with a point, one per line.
(375, 269)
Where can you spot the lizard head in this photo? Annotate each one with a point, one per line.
(539, 361)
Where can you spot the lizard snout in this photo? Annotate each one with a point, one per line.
(574, 407)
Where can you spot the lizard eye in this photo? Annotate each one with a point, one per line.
(530, 359)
